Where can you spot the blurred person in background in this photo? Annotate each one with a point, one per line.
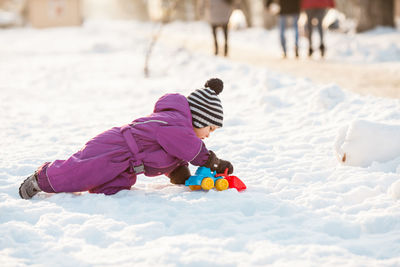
(288, 9)
(316, 11)
(218, 13)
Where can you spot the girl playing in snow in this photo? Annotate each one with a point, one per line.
(161, 143)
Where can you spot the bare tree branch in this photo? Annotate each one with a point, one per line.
(169, 6)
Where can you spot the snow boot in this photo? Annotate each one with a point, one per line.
(226, 50)
(29, 187)
(322, 48)
(284, 55)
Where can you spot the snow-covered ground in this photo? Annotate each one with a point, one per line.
(304, 206)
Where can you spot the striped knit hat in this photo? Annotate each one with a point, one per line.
(205, 104)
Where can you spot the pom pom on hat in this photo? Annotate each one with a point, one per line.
(205, 105)
(215, 84)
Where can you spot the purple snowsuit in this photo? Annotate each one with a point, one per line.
(110, 162)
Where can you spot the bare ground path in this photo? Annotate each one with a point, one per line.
(381, 79)
(378, 79)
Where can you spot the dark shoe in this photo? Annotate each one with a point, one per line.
(322, 48)
(296, 51)
(310, 52)
(29, 187)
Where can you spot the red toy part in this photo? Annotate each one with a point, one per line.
(234, 182)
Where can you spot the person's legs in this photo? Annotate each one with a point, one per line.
(214, 32)
(320, 15)
(296, 33)
(225, 29)
(123, 181)
(309, 28)
(103, 159)
(282, 27)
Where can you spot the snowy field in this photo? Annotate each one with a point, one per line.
(307, 204)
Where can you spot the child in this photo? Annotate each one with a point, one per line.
(161, 143)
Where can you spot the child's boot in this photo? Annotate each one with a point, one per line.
(29, 187)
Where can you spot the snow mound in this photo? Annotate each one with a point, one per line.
(363, 142)
(394, 190)
(328, 97)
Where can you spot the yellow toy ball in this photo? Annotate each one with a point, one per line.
(221, 184)
(207, 183)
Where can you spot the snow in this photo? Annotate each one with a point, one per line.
(363, 143)
(303, 206)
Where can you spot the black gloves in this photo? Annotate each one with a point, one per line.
(219, 165)
(179, 175)
(182, 173)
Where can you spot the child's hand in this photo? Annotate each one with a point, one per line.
(179, 175)
(223, 164)
(218, 165)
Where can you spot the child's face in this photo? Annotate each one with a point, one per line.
(205, 131)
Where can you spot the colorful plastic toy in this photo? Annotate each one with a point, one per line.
(206, 180)
(234, 181)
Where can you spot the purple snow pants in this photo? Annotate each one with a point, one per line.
(103, 165)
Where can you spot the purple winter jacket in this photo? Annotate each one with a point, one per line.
(106, 164)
